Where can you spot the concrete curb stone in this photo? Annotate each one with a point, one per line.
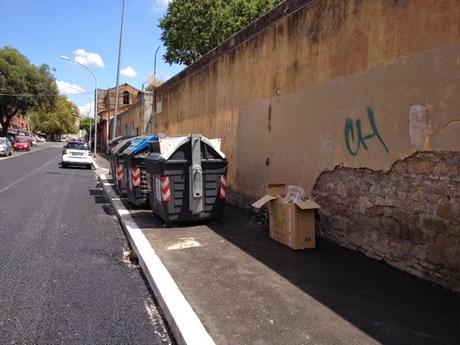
(183, 322)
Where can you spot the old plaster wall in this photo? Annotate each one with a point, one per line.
(316, 85)
(310, 71)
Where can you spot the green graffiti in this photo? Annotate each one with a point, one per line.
(355, 139)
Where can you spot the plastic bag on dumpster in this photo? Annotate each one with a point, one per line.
(294, 194)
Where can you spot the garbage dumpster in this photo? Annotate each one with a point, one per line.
(187, 178)
(115, 161)
(116, 164)
(115, 141)
(134, 170)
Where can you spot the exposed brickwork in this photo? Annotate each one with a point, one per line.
(409, 216)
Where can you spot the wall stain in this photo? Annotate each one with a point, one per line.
(269, 127)
(327, 18)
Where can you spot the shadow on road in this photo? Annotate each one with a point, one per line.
(100, 199)
(382, 301)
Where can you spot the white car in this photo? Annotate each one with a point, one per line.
(76, 153)
(6, 149)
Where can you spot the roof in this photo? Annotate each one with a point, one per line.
(114, 88)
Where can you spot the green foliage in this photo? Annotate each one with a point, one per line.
(26, 86)
(86, 123)
(191, 28)
(55, 120)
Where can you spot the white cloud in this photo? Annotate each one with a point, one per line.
(128, 72)
(66, 88)
(160, 5)
(88, 58)
(87, 108)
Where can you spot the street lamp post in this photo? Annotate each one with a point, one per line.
(155, 65)
(114, 128)
(154, 89)
(95, 98)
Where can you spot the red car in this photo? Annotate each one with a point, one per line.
(22, 144)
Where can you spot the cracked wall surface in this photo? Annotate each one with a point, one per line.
(408, 216)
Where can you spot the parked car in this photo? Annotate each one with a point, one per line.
(76, 153)
(40, 139)
(11, 136)
(22, 143)
(6, 149)
(30, 139)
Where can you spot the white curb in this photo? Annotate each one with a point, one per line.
(94, 163)
(183, 322)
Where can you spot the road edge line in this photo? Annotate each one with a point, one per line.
(185, 325)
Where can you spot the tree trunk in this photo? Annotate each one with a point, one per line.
(5, 124)
(6, 119)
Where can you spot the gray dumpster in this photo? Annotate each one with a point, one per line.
(134, 169)
(187, 178)
(116, 164)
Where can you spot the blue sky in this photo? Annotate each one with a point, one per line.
(87, 30)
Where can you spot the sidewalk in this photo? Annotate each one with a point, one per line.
(102, 160)
(248, 289)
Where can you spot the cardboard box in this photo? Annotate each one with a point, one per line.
(292, 224)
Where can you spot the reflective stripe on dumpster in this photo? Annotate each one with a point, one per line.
(136, 176)
(165, 189)
(119, 172)
(223, 187)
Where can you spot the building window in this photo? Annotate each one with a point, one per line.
(126, 97)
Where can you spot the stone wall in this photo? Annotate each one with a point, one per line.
(408, 216)
(319, 84)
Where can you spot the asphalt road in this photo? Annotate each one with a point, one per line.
(63, 276)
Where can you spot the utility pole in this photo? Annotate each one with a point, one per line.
(154, 91)
(142, 112)
(114, 128)
(89, 136)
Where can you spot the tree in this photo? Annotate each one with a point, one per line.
(23, 85)
(86, 123)
(55, 120)
(153, 84)
(191, 28)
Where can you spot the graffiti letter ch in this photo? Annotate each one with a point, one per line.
(354, 142)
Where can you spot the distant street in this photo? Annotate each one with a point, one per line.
(63, 276)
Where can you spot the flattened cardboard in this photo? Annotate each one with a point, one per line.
(307, 205)
(262, 201)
